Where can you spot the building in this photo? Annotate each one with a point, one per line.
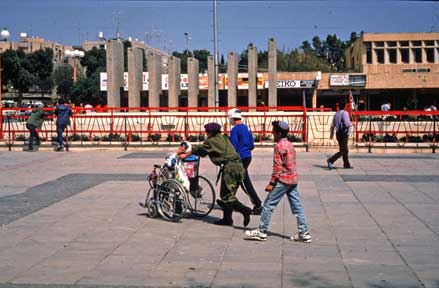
(402, 68)
(30, 44)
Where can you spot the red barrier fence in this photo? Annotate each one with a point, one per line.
(401, 128)
(127, 125)
(153, 125)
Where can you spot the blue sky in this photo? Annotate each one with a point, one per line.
(163, 23)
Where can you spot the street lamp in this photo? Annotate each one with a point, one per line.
(74, 54)
(4, 36)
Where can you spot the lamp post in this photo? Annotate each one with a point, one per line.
(4, 35)
(186, 35)
(74, 54)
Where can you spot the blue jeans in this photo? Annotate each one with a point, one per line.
(33, 134)
(59, 130)
(274, 197)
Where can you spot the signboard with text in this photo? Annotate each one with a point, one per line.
(339, 80)
(293, 84)
(184, 80)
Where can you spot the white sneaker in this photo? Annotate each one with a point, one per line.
(256, 234)
(301, 237)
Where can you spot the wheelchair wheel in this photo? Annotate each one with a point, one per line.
(201, 197)
(170, 200)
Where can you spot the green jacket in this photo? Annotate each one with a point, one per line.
(36, 118)
(221, 152)
(219, 149)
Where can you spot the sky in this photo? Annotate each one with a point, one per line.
(162, 24)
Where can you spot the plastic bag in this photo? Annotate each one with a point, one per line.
(181, 175)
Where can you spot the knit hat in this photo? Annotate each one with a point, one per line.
(212, 127)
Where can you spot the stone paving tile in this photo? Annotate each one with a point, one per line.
(365, 234)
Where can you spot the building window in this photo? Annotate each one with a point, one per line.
(391, 44)
(429, 43)
(368, 47)
(416, 43)
(392, 55)
(405, 58)
(417, 53)
(379, 44)
(380, 55)
(430, 55)
(404, 43)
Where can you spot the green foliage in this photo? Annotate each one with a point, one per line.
(202, 56)
(113, 137)
(94, 60)
(154, 137)
(86, 90)
(63, 77)
(135, 138)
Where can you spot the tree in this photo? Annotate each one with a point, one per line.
(202, 56)
(93, 60)
(222, 65)
(306, 47)
(86, 90)
(63, 78)
(243, 61)
(10, 65)
(41, 66)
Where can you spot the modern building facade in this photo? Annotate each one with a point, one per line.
(402, 68)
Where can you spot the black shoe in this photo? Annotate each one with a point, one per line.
(244, 210)
(227, 214)
(348, 167)
(257, 210)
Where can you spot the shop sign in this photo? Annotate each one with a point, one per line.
(339, 80)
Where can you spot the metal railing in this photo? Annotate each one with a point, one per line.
(144, 126)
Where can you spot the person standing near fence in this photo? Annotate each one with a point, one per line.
(62, 113)
(242, 139)
(283, 181)
(34, 122)
(341, 124)
(222, 153)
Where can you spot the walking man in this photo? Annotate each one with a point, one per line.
(242, 139)
(283, 182)
(221, 152)
(63, 114)
(341, 124)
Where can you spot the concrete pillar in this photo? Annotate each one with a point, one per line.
(194, 82)
(374, 55)
(398, 56)
(423, 55)
(314, 98)
(232, 74)
(115, 69)
(436, 55)
(174, 71)
(155, 79)
(411, 56)
(211, 82)
(386, 56)
(252, 75)
(272, 73)
(135, 83)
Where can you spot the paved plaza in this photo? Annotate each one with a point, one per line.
(72, 219)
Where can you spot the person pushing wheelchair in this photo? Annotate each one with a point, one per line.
(222, 153)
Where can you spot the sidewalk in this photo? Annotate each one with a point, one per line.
(73, 220)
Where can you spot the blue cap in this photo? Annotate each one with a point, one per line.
(212, 127)
(284, 125)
